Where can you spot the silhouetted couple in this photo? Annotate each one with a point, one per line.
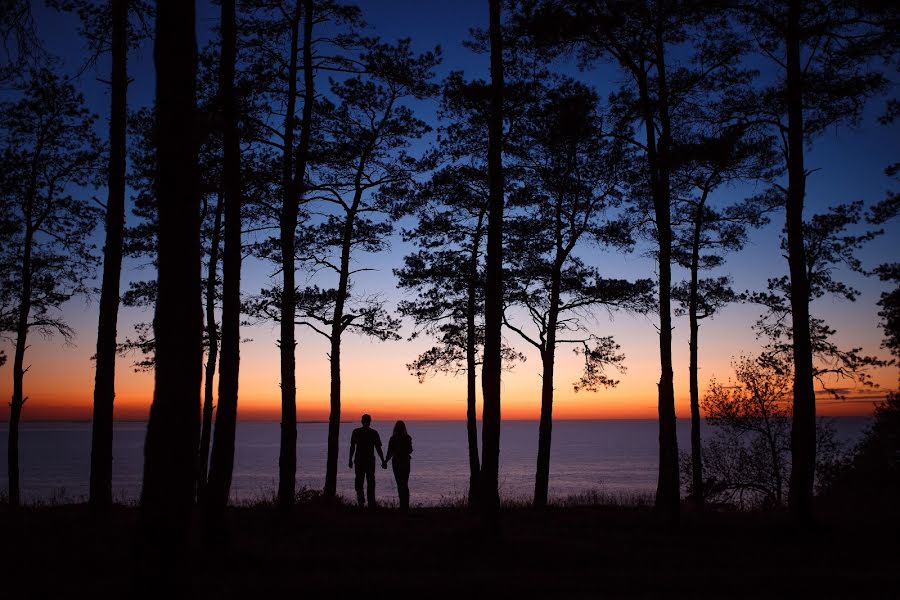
(364, 443)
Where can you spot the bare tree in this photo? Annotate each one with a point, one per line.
(748, 459)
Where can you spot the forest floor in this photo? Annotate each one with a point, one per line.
(341, 552)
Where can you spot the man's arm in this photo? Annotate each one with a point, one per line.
(390, 453)
(378, 446)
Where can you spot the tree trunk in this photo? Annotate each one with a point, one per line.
(222, 460)
(493, 293)
(776, 465)
(668, 488)
(213, 338)
(12, 442)
(105, 374)
(545, 429)
(170, 449)
(18, 397)
(696, 456)
(471, 365)
(803, 432)
(334, 418)
(287, 456)
(337, 329)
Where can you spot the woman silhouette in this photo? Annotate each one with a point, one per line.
(399, 449)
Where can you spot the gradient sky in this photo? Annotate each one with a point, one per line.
(849, 165)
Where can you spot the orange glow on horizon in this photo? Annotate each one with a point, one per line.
(68, 396)
(60, 383)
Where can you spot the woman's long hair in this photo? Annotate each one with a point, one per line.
(399, 427)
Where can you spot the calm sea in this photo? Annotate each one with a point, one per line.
(617, 457)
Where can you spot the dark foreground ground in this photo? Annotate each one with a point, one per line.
(59, 552)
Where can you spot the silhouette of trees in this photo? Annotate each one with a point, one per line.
(108, 28)
(211, 343)
(890, 307)
(48, 154)
(656, 109)
(867, 480)
(450, 231)
(748, 459)
(828, 245)
(493, 282)
(526, 170)
(8, 230)
(140, 240)
(170, 449)
(222, 459)
(271, 35)
(140, 237)
(362, 167)
(571, 179)
(822, 54)
(105, 376)
(879, 214)
(21, 50)
(704, 234)
(452, 216)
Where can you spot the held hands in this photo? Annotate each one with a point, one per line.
(384, 464)
(351, 463)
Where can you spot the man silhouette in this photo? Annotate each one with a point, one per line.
(364, 443)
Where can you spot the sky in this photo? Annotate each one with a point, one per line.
(848, 165)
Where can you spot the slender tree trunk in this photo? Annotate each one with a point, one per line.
(545, 429)
(12, 442)
(471, 365)
(287, 457)
(18, 397)
(668, 488)
(212, 335)
(294, 190)
(337, 329)
(776, 466)
(334, 416)
(803, 432)
(170, 449)
(493, 293)
(105, 374)
(222, 460)
(696, 456)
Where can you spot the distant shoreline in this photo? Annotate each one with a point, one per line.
(323, 422)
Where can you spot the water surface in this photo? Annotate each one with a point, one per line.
(607, 456)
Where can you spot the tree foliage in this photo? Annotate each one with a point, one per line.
(831, 244)
(50, 154)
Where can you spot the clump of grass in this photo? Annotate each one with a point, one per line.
(598, 498)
